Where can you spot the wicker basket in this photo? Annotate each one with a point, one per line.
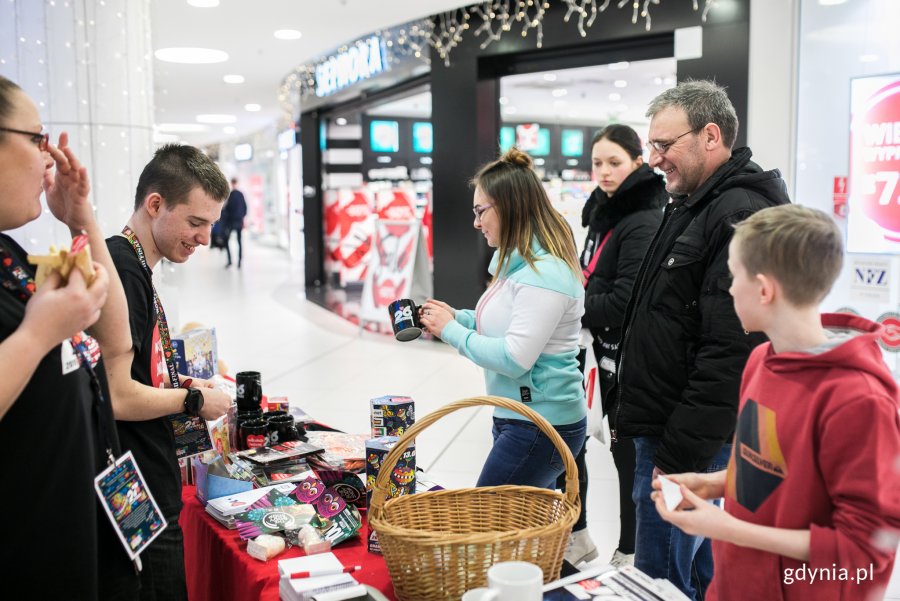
(439, 544)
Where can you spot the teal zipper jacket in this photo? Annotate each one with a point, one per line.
(524, 332)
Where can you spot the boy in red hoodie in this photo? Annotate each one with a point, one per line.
(812, 489)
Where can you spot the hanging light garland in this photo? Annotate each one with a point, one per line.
(500, 16)
(445, 32)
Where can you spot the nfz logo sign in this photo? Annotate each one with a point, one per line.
(871, 281)
(868, 276)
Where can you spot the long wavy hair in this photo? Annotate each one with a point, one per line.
(525, 212)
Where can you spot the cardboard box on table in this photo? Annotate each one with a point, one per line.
(213, 481)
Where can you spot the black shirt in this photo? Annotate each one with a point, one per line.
(52, 451)
(152, 441)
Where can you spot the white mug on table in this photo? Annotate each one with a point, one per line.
(510, 581)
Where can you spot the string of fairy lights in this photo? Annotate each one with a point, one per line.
(488, 21)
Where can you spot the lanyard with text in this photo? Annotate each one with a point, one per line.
(15, 278)
(161, 321)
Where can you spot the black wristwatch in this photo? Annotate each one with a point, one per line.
(193, 402)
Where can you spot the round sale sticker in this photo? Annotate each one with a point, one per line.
(890, 336)
(875, 158)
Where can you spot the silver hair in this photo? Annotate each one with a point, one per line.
(703, 102)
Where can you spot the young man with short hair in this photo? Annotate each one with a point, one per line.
(179, 197)
(812, 492)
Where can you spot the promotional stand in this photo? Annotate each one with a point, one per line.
(398, 268)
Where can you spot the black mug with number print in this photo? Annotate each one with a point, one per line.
(282, 429)
(405, 319)
(249, 390)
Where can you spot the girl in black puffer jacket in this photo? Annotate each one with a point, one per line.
(622, 216)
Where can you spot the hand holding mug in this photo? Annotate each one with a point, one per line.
(434, 315)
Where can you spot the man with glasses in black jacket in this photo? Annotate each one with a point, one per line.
(683, 348)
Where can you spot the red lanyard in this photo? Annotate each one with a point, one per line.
(593, 264)
(161, 321)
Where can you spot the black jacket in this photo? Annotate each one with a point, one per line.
(633, 213)
(234, 211)
(683, 350)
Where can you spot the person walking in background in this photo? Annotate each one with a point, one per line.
(179, 196)
(56, 423)
(814, 489)
(621, 215)
(679, 362)
(233, 220)
(525, 329)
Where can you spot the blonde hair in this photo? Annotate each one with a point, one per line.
(800, 247)
(525, 211)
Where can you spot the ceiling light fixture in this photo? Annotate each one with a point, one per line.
(615, 97)
(161, 138)
(559, 92)
(229, 129)
(180, 128)
(233, 79)
(504, 100)
(252, 107)
(341, 121)
(288, 34)
(618, 66)
(191, 56)
(868, 58)
(549, 76)
(216, 118)
(620, 83)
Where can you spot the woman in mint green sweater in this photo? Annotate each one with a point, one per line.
(525, 329)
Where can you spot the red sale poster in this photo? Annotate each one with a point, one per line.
(873, 224)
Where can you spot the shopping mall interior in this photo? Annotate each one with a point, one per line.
(357, 184)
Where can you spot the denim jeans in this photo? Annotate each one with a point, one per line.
(523, 455)
(162, 576)
(661, 549)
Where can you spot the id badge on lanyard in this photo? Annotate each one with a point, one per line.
(129, 505)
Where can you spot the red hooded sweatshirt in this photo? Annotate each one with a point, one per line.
(816, 446)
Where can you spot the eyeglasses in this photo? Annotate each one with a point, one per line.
(41, 139)
(479, 211)
(663, 147)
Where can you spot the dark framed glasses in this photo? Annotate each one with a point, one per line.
(662, 147)
(41, 139)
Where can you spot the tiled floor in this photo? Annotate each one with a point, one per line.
(332, 368)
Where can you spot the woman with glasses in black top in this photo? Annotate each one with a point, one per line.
(56, 427)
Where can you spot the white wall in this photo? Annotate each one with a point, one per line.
(771, 107)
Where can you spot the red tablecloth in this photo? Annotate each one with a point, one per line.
(219, 569)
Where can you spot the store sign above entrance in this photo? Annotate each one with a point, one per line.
(362, 60)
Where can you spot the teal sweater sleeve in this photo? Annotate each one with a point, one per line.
(466, 318)
(489, 353)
